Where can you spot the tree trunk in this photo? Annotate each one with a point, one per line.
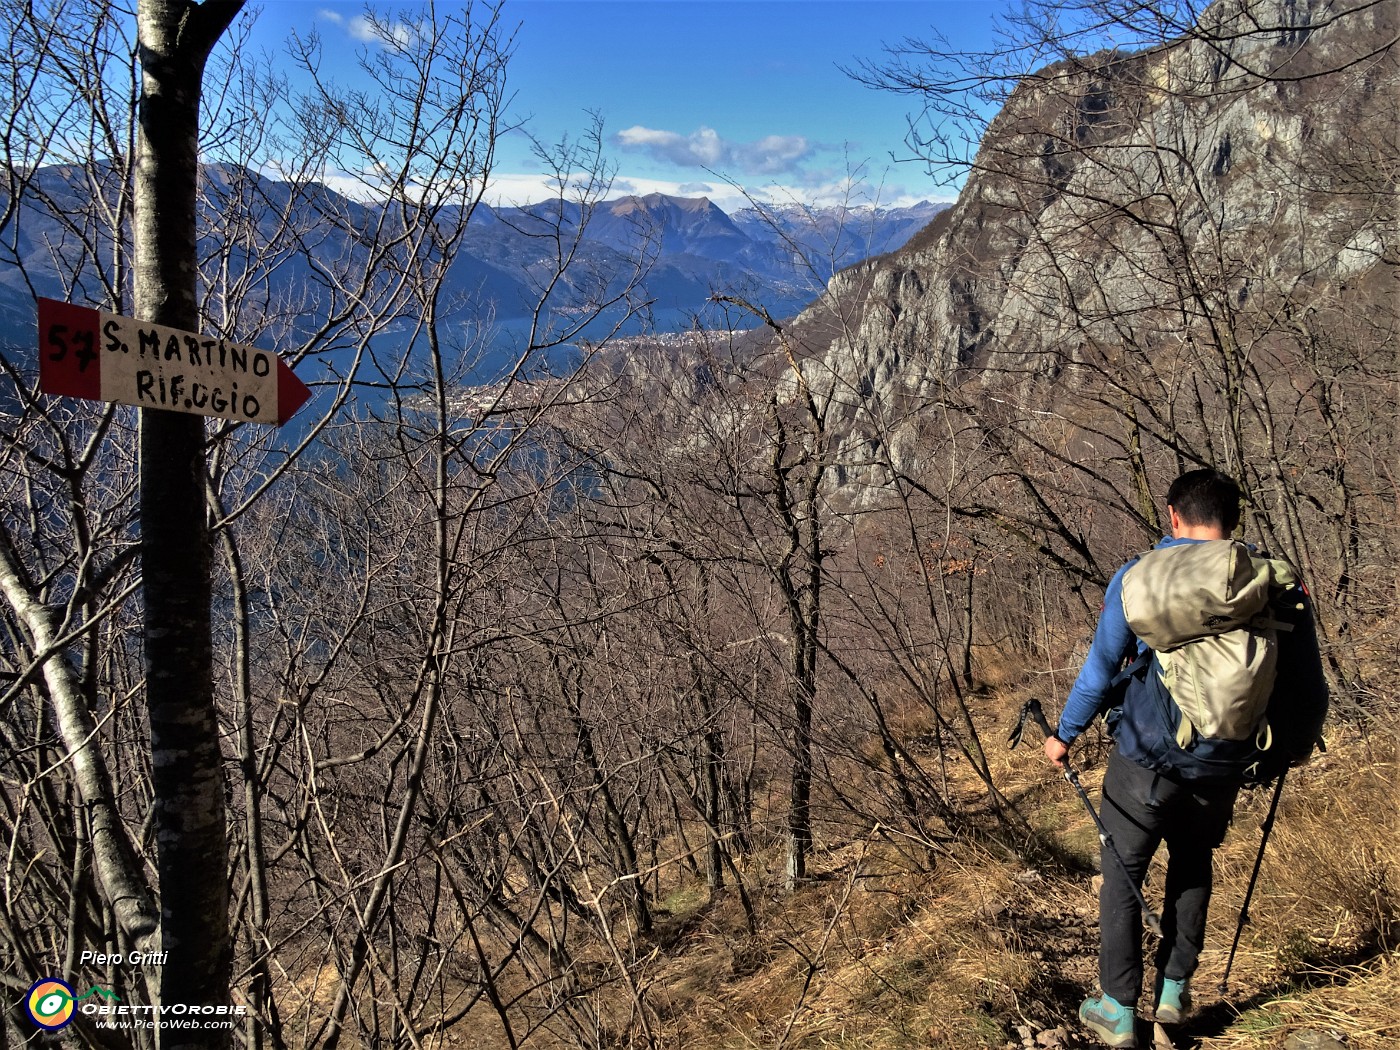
(176, 37)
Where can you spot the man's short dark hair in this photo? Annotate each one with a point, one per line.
(1206, 497)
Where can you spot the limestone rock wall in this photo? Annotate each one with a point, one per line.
(1131, 200)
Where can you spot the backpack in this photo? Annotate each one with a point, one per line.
(1230, 687)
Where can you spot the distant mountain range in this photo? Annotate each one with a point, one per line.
(783, 256)
(779, 257)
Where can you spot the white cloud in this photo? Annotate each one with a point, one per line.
(772, 155)
(706, 148)
(362, 29)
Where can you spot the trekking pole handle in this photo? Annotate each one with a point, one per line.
(1036, 714)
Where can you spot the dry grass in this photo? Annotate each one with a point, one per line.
(1320, 950)
(875, 960)
(1356, 1003)
(878, 953)
(878, 956)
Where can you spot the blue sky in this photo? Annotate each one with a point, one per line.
(698, 94)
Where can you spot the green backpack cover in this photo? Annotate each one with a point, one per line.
(1231, 687)
(1204, 609)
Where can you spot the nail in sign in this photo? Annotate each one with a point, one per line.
(106, 357)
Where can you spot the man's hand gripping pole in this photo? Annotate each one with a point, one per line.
(1033, 711)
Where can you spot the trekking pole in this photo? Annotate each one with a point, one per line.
(1033, 711)
(1268, 826)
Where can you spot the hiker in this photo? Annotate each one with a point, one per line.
(1153, 789)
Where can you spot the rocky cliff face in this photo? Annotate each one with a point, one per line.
(1201, 191)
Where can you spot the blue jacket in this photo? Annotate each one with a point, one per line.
(1113, 642)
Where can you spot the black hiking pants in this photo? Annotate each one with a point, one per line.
(1141, 810)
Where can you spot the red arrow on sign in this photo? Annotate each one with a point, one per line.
(106, 357)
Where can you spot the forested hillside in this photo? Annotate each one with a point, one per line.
(1178, 256)
(657, 694)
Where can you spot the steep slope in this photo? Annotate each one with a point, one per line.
(1123, 205)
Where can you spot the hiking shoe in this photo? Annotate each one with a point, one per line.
(1173, 1001)
(1110, 1020)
